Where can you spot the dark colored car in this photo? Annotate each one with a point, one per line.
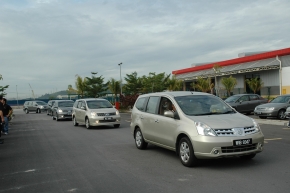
(276, 108)
(245, 103)
(62, 109)
(49, 105)
(34, 106)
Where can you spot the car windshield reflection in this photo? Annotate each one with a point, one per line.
(66, 104)
(281, 99)
(232, 99)
(199, 105)
(99, 104)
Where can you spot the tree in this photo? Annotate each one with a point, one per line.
(81, 85)
(3, 88)
(255, 84)
(154, 82)
(114, 87)
(229, 84)
(95, 85)
(174, 84)
(133, 84)
(204, 84)
(217, 69)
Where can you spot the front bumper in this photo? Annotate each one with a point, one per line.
(206, 147)
(266, 113)
(99, 120)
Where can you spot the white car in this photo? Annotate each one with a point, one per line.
(95, 112)
(287, 113)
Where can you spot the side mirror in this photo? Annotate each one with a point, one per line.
(169, 114)
(83, 108)
(241, 101)
(35, 105)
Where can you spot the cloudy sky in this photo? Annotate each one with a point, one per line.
(45, 43)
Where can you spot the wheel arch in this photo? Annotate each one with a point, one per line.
(179, 137)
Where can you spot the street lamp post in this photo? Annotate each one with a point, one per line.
(120, 79)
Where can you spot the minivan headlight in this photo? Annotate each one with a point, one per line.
(117, 112)
(59, 110)
(204, 129)
(271, 108)
(256, 126)
(41, 107)
(93, 114)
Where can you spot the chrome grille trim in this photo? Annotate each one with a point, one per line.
(230, 132)
(233, 149)
(104, 114)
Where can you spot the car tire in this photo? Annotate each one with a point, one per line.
(248, 157)
(281, 114)
(75, 122)
(262, 117)
(52, 117)
(56, 117)
(38, 111)
(139, 140)
(117, 125)
(26, 111)
(186, 153)
(87, 121)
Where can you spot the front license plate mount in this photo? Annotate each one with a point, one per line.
(241, 142)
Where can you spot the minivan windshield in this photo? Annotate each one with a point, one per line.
(41, 103)
(99, 104)
(197, 105)
(66, 104)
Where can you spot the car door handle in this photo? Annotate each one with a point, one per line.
(156, 121)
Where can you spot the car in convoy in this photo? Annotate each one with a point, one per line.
(62, 109)
(195, 125)
(49, 105)
(287, 113)
(245, 103)
(34, 106)
(275, 108)
(95, 112)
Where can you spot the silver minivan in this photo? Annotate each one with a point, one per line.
(95, 112)
(196, 125)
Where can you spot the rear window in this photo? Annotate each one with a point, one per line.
(41, 103)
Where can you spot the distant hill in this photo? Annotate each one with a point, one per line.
(53, 95)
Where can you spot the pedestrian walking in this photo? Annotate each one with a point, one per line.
(7, 112)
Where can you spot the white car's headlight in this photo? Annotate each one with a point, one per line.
(59, 110)
(93, 114)
(271, 108)
(256, 126)
(205, 130)
(41, 107)
(117, 112)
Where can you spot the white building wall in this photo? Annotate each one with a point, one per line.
(286, 76)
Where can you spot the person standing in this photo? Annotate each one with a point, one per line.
(1, 114)
(7, 112)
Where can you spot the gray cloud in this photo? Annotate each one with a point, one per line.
(45, 43)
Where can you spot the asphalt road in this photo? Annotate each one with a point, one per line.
(42, 155)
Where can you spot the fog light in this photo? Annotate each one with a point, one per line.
(216, 151)
(97, 121)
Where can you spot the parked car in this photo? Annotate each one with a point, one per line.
(34, 106)
(62, 109)
(49, 105)
(245, 103)
(275, 108)
(95, 112)
(203, 126)
(287, 113)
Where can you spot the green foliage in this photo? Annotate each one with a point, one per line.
(203, 84)
(114, 87)
(229, 83)
(133, 85)
(255, 84)
(95, 86)
(3, 88)
(154, 82)
(81, 85)
(173, 84)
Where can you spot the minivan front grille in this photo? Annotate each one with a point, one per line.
(106, 114)
(233, 149)
(231, 131)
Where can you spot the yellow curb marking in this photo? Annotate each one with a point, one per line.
(273, 139)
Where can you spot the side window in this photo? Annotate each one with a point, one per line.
(79, 104)
(254, 97)
(165, 105)
(76, 104)
(152, 105)
(140, 104)
(244, 98)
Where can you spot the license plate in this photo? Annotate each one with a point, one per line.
(259, 113)
(240, 142)
(108, 118)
